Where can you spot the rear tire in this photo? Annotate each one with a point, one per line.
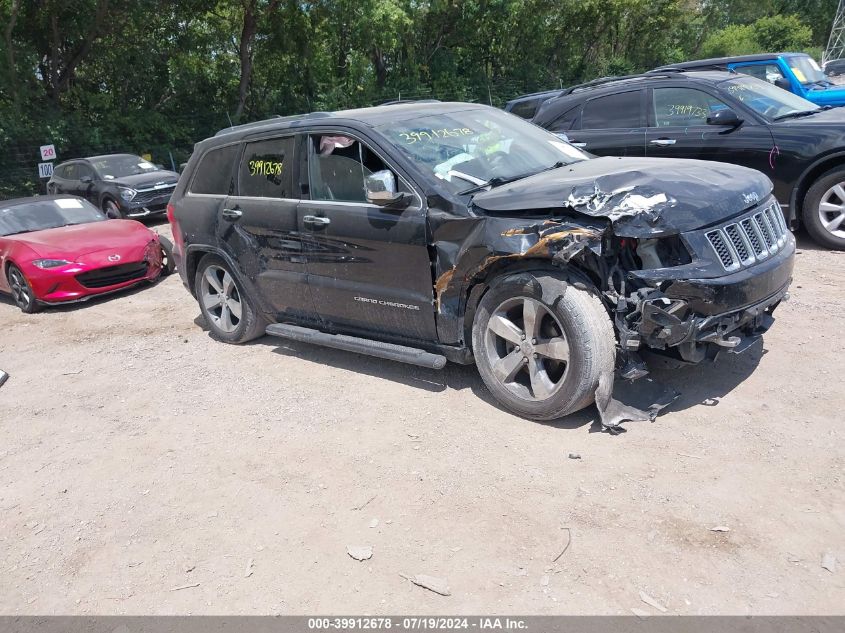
(823, 214)
(22, 293)
(227, 310)
(541, 344)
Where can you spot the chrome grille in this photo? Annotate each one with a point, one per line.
(752, 239)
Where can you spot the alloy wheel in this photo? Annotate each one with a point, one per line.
(19, 287)
(527, 349)
(221, 299)
(832, 210)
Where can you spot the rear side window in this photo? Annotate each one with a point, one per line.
(213, 175)
(613, 111)
(566, 121)
(264, 171)
(525, 109)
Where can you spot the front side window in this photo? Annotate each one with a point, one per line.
(682, 107)
(71, 172)
(338, 166)
(766, 99)
(213, 175)
(264, 171)
(466, 149)
(623, 110)
(766, 72)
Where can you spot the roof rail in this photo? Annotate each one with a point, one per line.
(277, 118)
(398, 101)
(651, 74)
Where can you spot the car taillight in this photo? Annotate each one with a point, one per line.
(178, 243)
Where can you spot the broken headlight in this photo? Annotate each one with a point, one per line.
(663, 252)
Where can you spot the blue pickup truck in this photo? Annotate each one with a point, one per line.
(796, 72)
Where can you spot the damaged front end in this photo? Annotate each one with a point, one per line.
(690, 258)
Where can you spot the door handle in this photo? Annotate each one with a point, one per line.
(577, 144)
(663, 142)
(316, 220)
(232, 214)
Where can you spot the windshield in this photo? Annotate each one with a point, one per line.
(468, 148)
(806, 69)
(111, 167)
(46, 214)
(766, 99)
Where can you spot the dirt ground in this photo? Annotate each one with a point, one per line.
(146, 469)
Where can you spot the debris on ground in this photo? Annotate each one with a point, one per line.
(652, 602)
(720, 528)
(829, 562)
(544, 581)
(437, 585)
(3, 377)
(614, 412)
(565, 547)
(574, 456)
(249, 567)
(360, 552)
(374, 523)
(640, 613)
(188, 568)
(191, 586)
(365, 504)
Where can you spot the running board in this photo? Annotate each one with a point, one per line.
(400, 353)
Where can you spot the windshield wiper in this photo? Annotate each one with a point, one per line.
(795, 115)
(498, 181)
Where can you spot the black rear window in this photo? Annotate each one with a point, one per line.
(213, 175)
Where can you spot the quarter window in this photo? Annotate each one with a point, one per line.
(565, 122)
(683, 107)
(265, 169)
(623, 110)
(214, 173)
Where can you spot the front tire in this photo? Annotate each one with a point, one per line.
(168, 264)
(541, 345)
(22, 293)
(111, 209)
(823, 214)
(230, 316)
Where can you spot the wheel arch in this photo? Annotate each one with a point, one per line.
(809, 176)
(478, 286)
(194, 255)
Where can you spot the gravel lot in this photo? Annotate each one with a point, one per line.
(145, 469)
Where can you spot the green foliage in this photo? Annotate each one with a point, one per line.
(158, 75)
(771, 34)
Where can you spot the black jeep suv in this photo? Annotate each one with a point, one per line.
(715, 115)
(424, 232)
(122, 185)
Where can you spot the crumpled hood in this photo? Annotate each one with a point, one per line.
(642, 197)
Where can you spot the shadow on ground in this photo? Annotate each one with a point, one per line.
(700, 385)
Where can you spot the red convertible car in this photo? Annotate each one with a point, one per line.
(60, 249)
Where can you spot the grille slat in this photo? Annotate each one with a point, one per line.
(754, 238)
(162, 195)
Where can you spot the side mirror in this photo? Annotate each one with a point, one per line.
(725, 116)
(783, 83)
(381, 190)
(86, 180)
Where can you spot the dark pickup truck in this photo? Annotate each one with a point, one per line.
(422, 232)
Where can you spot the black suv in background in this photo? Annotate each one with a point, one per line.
(717, 116)
(122, 185)
(423, 232)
